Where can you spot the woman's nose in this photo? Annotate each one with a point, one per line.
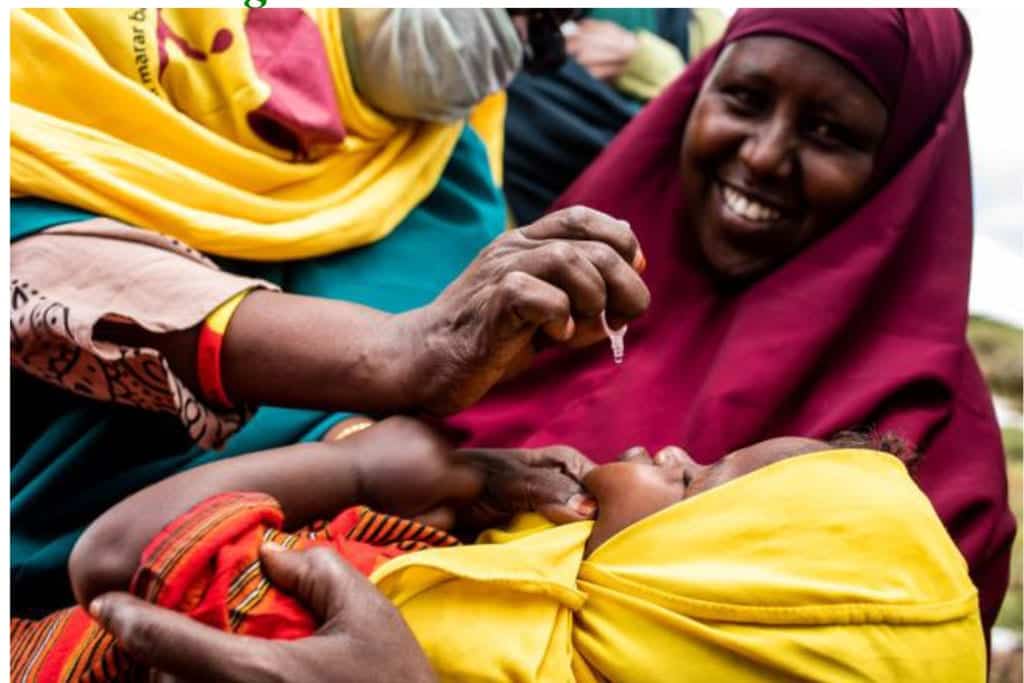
(770, 148)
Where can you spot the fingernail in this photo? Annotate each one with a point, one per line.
(639, 261)
(583, 504)
(272, 547)
(570, 330)
(96, 608)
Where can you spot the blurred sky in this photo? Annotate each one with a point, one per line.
(995, 108)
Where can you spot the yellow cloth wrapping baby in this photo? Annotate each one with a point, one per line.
(188, 121)
(829, 566)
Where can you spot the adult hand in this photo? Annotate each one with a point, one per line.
(603, 48)
(408, 469)
(363, 637)
(547, 480)
(556, 276)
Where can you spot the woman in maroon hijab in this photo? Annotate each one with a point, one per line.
(803, 197)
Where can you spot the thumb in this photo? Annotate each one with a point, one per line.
(559, 498)
(578, 508)
(318, 578)
(162, 639)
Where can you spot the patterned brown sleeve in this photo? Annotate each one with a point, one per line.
(66, 279)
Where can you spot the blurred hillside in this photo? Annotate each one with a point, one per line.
(1000, 352)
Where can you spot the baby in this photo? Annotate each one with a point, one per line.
(191, 542)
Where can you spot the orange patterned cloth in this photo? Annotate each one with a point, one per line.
(206, 564)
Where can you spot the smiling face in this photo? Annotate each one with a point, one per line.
(779, 148)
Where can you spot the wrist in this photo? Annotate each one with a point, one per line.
(415, 369)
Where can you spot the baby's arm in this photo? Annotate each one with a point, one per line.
(310, 481)
(399, 466)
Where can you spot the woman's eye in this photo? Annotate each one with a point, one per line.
(824, 130)
(829, 134)
(743, 99)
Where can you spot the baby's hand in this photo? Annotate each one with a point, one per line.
(547, 480)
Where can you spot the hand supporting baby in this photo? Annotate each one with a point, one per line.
(422, 477)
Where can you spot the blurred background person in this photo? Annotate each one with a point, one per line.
(560, 120)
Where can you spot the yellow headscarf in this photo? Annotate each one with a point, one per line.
(830, 566)
(96, 125)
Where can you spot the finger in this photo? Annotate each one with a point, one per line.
(578, 508)
(583, 223)
(626, 295)
(565, 265)
(557, 496)
(318, 578)
(527, 301)
(588, 331)
(173, 643)
(566, 458)
(636, 454)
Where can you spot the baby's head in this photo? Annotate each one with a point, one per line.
(638, 485)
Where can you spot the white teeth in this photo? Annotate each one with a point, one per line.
(748, 207)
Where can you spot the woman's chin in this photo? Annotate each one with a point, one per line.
(730, 265)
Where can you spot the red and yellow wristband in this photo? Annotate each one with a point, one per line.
(208, 351)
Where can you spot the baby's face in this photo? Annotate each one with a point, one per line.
(638, 486)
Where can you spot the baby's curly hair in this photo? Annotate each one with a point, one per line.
(889, 442)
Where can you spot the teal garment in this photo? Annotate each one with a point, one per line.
(30, 215)
(630, 18)
(72, 458)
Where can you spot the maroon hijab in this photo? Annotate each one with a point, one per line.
(866, 326)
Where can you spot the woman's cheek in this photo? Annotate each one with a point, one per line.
(713, 132)
(832, 185)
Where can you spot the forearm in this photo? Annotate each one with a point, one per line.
(310, 481)
(284, 349)
(298, 351)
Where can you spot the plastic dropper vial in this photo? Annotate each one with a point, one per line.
(617, 338)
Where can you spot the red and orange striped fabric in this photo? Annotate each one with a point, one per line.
(206, 564)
